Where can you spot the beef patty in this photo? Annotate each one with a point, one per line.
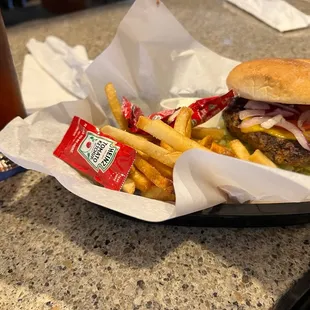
(280, 151)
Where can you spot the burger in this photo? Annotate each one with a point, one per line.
(270, 110)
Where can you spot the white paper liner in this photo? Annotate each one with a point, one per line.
(151, 58)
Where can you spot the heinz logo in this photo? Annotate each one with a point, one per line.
(98, 151)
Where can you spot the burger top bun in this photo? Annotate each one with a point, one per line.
(273, 80)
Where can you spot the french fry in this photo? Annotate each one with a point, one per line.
(260, 158)
(217, 148)
(189, 126)
(145, 137)
(166, 146)
(206, 141)
(129, 186)
(165, 133)
(239, 149)
(151, 173)
(174, 155)
(163, 169)
(148, 148)
(182, 121)
(115, 106)
(143, 155)
(159, 194)
(142, 183)
(201, 132)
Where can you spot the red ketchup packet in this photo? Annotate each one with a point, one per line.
(132, 114)
(203, 110)
(95, 154)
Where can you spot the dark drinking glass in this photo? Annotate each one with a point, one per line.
(11, 104)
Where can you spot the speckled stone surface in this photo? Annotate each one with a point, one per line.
(60, 252)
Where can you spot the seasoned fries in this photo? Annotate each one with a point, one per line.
(159, 194)
(239, 149)
(152, 173)
(183, 123)
(142, 183)
(129, 186)
(140, 144)
(217, 148)
(115, 106)
(165, 133)
(260, 158)
(201, 132)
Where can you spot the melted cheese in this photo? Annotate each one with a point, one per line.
(276, 132)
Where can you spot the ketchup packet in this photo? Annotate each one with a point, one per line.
(132, 113)
(203, 110)
(206, 108)
(95, 154)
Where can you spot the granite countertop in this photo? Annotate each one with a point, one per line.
(60, 252)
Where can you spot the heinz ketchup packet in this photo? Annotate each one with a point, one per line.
(95, 154)
(203, 110)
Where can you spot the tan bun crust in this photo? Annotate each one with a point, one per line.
(274, 80)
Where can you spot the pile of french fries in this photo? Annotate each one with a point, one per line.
(152, 173)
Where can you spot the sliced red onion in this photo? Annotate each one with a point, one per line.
(282, 112)
(257, 105)
(253, 121)
(278, 120)
(272, 121)
(284, 106)
(250, 113)
(304, 116)
(296, 132)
